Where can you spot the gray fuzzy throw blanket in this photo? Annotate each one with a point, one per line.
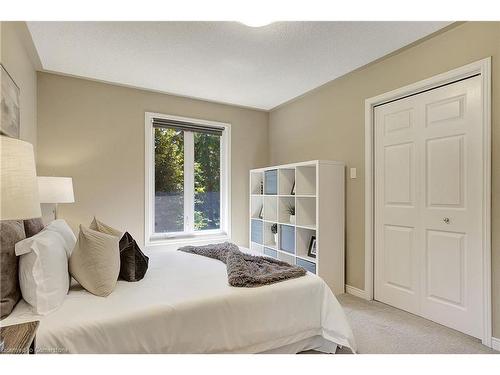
(245, 270)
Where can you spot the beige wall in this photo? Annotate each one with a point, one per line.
(328, 123)
(94, 132)
(1, 26)
(18, 55)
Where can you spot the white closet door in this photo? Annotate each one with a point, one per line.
(397, 212)
(428, 205)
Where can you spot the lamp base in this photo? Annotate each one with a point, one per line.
(49, 212)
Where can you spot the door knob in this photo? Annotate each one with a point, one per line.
(446, 220)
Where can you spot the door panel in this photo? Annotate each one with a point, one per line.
(428, 205)
(398, 121)
(399, 174)
(445, 172)
(440, 111)
(445, 266)
(399, 250)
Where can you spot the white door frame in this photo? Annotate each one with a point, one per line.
(482, 67)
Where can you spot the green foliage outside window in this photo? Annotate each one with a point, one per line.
(206, 181)
(169, 178)
(169, 160)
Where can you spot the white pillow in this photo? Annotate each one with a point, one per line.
(43, 270)
(60, 226)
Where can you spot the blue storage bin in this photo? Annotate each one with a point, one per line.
(271, 182)
(310, 266)
(287, 236)
(257, 231)
(271, 252)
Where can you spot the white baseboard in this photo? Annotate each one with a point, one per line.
(356, 292)
(495, 344)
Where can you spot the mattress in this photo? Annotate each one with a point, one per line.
(185, 305)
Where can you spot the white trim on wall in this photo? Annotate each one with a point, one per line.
(482, 67)
(355, 291)
(204, 237)
(495, 344)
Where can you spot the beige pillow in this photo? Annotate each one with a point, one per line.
(95, 261)
(104, 228)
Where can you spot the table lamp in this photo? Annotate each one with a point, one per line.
(18, 186)
(55, 190)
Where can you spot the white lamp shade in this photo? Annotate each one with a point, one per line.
(55, 189)
(18, 185)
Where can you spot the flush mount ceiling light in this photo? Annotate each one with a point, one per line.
(256, 23)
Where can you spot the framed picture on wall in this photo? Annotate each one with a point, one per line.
(9, 105)
(312, 247)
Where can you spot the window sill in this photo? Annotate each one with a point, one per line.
(183, 240)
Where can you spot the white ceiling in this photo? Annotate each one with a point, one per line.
(220, 61)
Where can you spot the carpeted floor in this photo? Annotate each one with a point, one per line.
(379, 328)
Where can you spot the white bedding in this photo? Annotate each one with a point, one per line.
(185, 305)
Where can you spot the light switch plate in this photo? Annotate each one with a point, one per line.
(353, 173)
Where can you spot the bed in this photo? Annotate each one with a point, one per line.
(185, 305)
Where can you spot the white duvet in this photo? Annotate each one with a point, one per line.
(185, 305)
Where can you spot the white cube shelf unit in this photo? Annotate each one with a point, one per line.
(316, 190)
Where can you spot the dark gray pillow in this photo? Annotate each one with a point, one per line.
(33, 226)
(133, 262)
(11, 232)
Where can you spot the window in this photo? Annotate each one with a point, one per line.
(186, 178)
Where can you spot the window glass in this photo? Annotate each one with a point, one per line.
(169, 180)
(206, 181)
